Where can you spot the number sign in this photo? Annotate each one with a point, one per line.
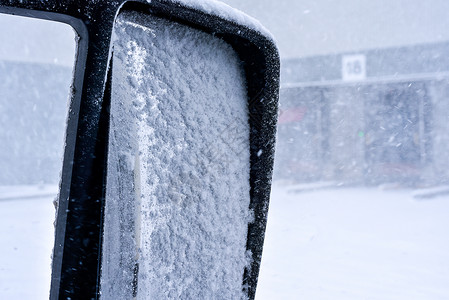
(353, 67)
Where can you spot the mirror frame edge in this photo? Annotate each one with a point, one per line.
(262, 67)
(74, 102)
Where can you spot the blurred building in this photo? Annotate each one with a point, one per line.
(33, 111)
(368, 117)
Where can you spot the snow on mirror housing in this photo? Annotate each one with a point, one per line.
(77, 258)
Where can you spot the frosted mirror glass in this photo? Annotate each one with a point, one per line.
(36, 62)
(177, 194)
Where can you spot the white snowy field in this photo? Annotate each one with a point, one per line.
(355, 243)
(26, 241)
(327, 243)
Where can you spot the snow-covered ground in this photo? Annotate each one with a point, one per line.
(322, 242)
(355, 243)
(26, 241)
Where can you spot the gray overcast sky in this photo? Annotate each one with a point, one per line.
(311, 27)
(301, 27)
(28, 39)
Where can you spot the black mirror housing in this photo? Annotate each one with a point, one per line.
(79, 225)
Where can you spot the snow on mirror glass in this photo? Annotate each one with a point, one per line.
(177, 196)
(36, 61)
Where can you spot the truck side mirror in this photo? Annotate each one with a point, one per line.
(168, 160)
